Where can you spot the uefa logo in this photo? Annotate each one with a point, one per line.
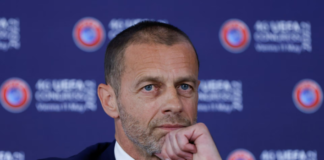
(235, 36)
(15, 95)
(308, 96)
(240, 154)
(89, 34)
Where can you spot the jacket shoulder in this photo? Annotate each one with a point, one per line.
(92, 152)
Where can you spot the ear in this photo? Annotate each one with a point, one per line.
(108, 100)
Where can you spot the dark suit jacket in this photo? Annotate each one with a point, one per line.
(100, 151)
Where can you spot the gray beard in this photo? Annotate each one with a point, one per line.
(144, 137)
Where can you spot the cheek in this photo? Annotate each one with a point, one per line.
(149, 109)
(140, 108)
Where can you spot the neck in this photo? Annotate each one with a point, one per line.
(128, 146)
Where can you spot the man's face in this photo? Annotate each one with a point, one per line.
(158, 92)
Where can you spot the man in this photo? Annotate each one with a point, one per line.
(152, 81)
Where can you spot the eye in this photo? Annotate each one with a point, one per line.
(184, 86)
(148, 87)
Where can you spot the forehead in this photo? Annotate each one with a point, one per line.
(174, 58)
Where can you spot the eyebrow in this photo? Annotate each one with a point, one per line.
(147, 79)
(159, 79)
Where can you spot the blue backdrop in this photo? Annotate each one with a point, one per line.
(261, 74)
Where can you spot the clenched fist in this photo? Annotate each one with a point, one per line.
(190, 143)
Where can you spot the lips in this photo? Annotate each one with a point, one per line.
(170, 127)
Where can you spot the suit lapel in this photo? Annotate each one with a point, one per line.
(109, 153)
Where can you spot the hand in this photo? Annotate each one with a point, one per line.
(192, 143)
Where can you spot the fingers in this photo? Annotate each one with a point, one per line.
(164, 155)
(172, 148)
(177, 147)
(159, 155)
(177, 144)
(184, 144)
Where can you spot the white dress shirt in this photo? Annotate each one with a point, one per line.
(120, 154)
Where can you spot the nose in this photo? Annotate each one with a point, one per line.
(172, 102)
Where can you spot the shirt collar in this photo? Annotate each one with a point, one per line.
(120, 154)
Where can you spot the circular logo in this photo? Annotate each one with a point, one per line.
(15, 95)
(234, 36)
(89, 34)
(308, 96)
(240, 154)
